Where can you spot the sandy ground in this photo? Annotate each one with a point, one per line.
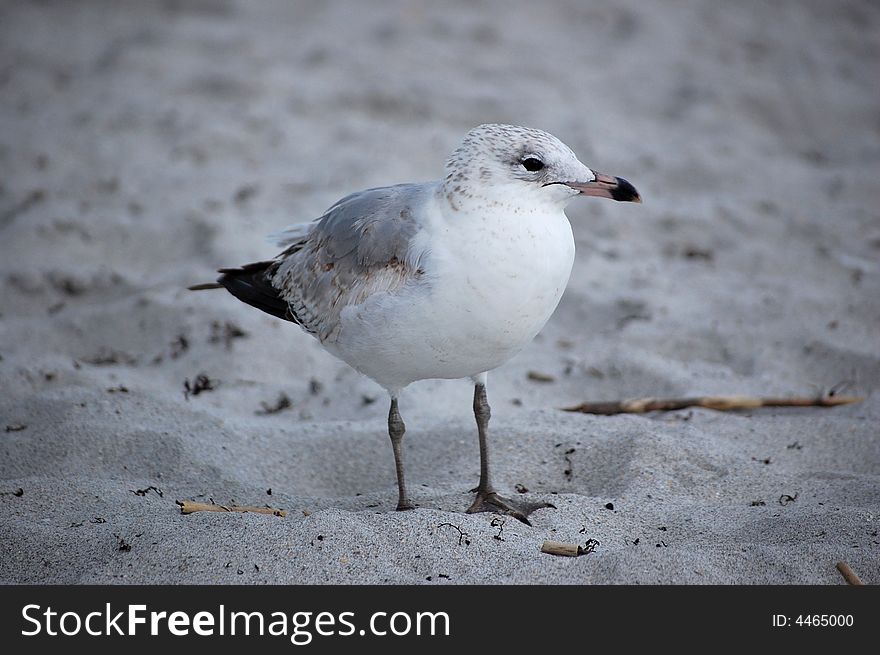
(143, 145)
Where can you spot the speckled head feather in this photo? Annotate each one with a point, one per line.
(498, 155)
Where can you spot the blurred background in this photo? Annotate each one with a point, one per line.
(145, 144)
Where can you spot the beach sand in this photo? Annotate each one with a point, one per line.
(143, 145)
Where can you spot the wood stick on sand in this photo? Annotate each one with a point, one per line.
(560, 548)
(721, 403)
(849, 575)
(188, 507)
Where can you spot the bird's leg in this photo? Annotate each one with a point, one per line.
(396, 430)
(482, 412)
(487, 499)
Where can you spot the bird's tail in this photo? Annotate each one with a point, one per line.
(252, 284)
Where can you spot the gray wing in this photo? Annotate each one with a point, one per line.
(362, 245)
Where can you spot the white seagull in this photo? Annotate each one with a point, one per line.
(444, 279)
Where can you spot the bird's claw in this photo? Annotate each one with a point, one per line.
(492, 502)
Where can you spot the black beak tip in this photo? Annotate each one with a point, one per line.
(625, 192)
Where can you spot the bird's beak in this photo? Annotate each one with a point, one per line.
(607, 186)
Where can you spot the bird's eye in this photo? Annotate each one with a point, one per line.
(532, 164)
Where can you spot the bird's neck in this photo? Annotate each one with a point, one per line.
(463, 201)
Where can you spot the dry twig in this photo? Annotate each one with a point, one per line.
(568, 550)
(559, 548)
(188, 507)
(721, 403)
(849, 575)
(537, 376)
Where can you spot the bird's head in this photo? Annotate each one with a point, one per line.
(529, 163)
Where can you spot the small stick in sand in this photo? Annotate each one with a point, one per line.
(188, 507)
(849, 575)
(559, 548)
(537, 376)
(721, 403)
(568, 550)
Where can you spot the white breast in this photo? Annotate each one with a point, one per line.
(492, 280)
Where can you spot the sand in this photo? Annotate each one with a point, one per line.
(144, 145)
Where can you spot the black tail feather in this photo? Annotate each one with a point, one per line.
(252, 284)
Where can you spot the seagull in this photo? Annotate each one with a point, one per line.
(445, 279)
